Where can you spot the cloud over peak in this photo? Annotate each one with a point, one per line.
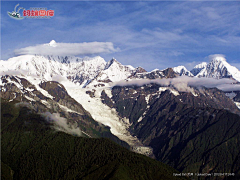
(218, 57)
(71, 49)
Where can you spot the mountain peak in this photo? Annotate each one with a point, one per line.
(218, 68)
(198, 68)
(182, 70)
(201, 65)
(53, 43)
(140, 70)
(111, 62)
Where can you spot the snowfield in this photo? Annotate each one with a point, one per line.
(105, 115)
(101, 112)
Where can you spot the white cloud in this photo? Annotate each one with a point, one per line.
(217, 56)
(60, 124)
(232, 87)
(183, 83)
(70, 49)
(24, 104)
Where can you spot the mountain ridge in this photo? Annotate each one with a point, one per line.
(130, 105)
(87, 69)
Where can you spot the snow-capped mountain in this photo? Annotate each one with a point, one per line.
(113, 72)
(182, 71)
(51, 67)
(199, 68)
(155, 119)
(78, 70)
(219, 68)
(52, 43)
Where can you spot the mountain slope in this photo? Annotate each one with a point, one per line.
(30, 149)
(52, 100)
(185, 129)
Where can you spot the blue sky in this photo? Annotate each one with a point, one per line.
(150, 34)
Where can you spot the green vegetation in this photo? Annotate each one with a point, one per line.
(194, 135)
(6, 172)
(31, 149)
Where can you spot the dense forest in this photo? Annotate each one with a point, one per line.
(32, 149)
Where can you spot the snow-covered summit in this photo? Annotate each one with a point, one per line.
(114, 71)
(198, 68)
(219, 68)
(78, 70)
(112, 62)
(182, 71)
(53, 43)
(201, 65)
(155, 70)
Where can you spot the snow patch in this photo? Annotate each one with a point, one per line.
(162, 89)
(29, 89)
(67, 109)
(3, 89)
(45, 103)
(237, 104)
(140, 119)
(30, 99)
(147, 98)
(173, 91)
(194, 93)
(36, 83)
(13, 97)
(155, 70)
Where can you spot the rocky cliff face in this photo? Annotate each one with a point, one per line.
(185, 129)
(155, 74)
